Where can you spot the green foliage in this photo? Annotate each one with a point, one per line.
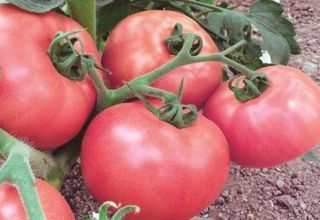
(16, 170)
(87, 19)
(207, 1)
(227, 26)
(110, 14)
(38, 6)
(277, 32)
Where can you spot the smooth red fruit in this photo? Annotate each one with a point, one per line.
(137, 45)
(130, 156)
(37, 103)
(54, 205)
(281, 124)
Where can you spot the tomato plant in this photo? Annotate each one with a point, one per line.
(130, 156)
(137, 45)
(281, 124)
(54, 205)
(164, 160)
(37, 103)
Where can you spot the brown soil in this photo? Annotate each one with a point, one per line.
(291, 191)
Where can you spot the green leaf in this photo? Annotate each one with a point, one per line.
(266, 15)
(38, 6)
(231, 26)
(84, 12)
(210, 2)
(277, 32)
(110, 14)
(311, 156)
(101, 3)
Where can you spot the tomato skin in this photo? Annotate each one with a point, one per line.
(54, 205)
(136, 46)
(131, 157)
(281, 124)
(37, 103)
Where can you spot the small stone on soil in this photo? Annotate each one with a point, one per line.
(280, 184)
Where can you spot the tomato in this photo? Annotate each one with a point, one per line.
(37, 103)
(54, 205)
(281, 124)
(130, 156)
(137, 45)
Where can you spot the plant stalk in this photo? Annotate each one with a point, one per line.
(112, 97)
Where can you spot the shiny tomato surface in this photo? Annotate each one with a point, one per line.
(37, 103)
(281, 124)
(131, 157)
(137, 45)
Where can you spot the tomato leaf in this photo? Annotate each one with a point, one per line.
(101, 3)
(207, 1)
(87, 19)
(311, 156)
(38, 6)
(265, 15)
(272, 32)
(231, 26)
(277, 32)
(110, 14)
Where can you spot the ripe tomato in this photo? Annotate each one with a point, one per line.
(281, 124)
(131, 157)
(137, 45)
(54, 205)
(37, 103)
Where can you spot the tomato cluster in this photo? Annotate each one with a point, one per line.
(128, 155)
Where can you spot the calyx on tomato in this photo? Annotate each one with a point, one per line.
(172, 111)
(37, 103)
(141, 160)
(281, 124)
(133, 51)
(67, 60)
(249, 86)
(176, 40)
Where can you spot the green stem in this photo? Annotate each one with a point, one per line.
(202, 4)
(41, 162)
(234, 47)
(203, 24)
(155, 92)
(184, 57)
(221, 57)
(107, 98)
(51, 168)
(241, 68)
(65, 158)
(103, 93)
(17, 170)
(123, 93)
